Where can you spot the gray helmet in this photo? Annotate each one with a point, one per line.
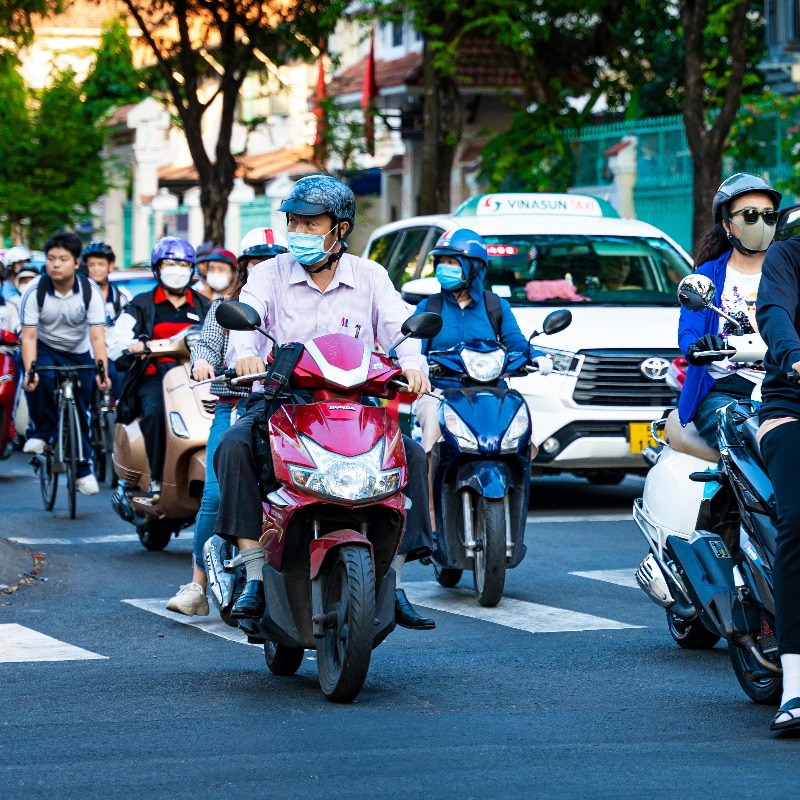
(322, 194)
(739, 184)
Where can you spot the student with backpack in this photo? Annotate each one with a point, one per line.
(469, 312)
(63, 324)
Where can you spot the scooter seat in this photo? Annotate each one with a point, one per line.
(750, 436)
(688, 440)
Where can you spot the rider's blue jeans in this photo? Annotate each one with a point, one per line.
(42, 404)
(207, 515)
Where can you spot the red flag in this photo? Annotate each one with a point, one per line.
(320, 93)
(368, 95)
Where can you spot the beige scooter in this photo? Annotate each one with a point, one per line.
(188, 411)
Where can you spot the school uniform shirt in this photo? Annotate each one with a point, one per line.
(64, 320)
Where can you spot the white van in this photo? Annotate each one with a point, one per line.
(619, 278)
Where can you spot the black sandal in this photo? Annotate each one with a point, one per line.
(793, 722)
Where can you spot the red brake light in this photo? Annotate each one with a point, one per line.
(501, 250)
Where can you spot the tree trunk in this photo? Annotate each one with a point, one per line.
(707, 143)
(214, 202)
(443, 122)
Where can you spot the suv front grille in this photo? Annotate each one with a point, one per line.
(614, 378)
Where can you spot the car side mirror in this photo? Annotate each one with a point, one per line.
(237, 316)
(557, 321)
(696, 292)
(422, 326)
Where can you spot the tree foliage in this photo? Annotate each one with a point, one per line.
(17, 17)
(204, 49)
(112, 79)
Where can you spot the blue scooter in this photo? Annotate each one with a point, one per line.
(482, 466)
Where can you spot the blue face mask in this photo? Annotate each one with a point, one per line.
(308, 248)
(450, 277)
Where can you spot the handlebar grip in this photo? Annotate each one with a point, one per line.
(793, 377)
(101, 370)
(32, 370)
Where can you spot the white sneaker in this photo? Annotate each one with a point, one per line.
(87, 485)
(190, 600)
(34, 446)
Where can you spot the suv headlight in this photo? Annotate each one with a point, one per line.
(484, 367)
(516, 430)
(457, 426)
(564, 362)
(345, 477)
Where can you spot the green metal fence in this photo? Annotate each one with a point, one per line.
(663, 192)
(257, 214)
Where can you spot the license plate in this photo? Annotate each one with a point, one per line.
(640, 436)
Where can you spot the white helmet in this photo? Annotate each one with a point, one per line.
(262, 242)
(16, 254)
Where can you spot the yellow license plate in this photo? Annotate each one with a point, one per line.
(640, 436)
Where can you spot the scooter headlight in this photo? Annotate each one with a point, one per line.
(484, 367)
(520, 425)
(346, 477)
(457, 426)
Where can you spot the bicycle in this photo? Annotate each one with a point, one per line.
(104, 420)
(63, 455)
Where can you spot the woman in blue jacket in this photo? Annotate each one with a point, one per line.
(730, 254)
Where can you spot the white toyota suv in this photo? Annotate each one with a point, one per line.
(619, 278)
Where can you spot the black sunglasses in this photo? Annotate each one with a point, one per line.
(751, 215)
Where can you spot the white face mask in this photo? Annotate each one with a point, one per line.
(176, 277)
(218, 281)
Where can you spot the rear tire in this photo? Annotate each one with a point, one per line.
(447, 577)
(283, 660)
(344, 653)
(489, 569)
(48, 480)
(108, 446)
(764, 691)
(155, 535)
(606, 478)
(690, 635)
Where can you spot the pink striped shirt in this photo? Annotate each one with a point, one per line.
(360, 300)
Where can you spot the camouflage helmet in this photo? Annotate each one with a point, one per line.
(322, 194)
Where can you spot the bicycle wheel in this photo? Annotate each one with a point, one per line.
(48, 480)
(70, 435)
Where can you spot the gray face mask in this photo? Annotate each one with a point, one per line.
(756, 237)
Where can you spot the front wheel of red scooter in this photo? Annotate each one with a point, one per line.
(349, 600)
(283, 660)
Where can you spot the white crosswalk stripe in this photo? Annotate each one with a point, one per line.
(19, 644)
(511, 613)
(538, 519)
(211, 624)
(620, 577)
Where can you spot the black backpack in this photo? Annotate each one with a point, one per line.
(493, 310)
(45, 285)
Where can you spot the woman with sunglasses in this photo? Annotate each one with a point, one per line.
(730, 254)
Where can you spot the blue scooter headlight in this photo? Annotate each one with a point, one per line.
(519, 426)
(484, 367)
(459, 429)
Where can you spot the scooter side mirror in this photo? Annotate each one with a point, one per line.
(788, 223)
(696, 292)
(423, 326)
(238, 316)
(557, 321)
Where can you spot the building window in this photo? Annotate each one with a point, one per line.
(398, 30)
(794, 22)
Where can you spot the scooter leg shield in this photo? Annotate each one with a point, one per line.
(708, 577)
(384, 608)
(278, 620)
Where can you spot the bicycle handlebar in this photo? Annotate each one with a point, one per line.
(99, 368)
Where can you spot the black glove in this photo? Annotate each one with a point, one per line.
(705, 343)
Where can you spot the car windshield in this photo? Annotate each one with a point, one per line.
(604, 270)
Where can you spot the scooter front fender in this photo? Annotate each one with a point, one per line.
(491, 479)
(321, 548)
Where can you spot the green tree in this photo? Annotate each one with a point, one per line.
(112, 79)
(16, 19)
(204, 49)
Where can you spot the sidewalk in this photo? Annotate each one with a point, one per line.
(16, 564)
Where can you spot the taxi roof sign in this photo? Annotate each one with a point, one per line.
(572, 205)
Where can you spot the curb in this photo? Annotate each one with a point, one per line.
(18, 566)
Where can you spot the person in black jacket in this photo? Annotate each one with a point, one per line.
(168, 309)
(778, 317)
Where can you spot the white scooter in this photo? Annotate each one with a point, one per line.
(673, 503)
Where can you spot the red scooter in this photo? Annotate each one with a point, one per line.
(9, 342)
(333, 525)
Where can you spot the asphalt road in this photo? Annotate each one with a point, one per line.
(603, 705)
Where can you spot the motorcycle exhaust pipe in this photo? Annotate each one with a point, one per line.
(755, 651)
(652, 581)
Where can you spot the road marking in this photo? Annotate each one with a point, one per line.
(19, 644)
(620, 577)
(519, 614)
(533, 518)
(112, 538)
(212, 624)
